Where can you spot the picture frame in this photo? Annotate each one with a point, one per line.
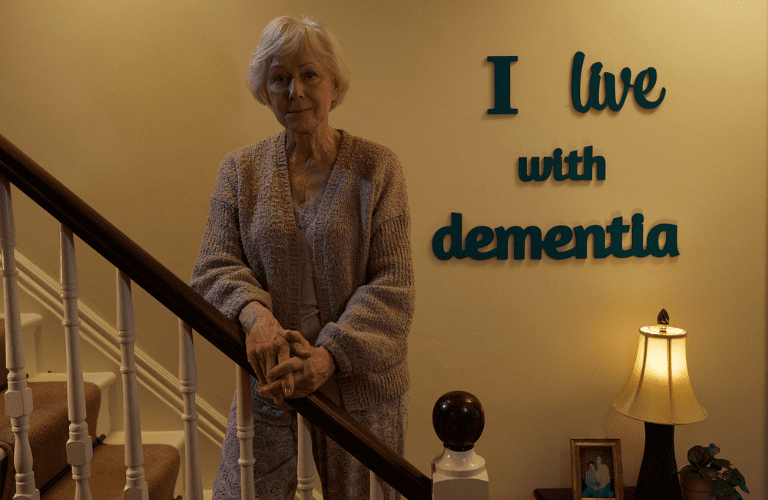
(596, 468)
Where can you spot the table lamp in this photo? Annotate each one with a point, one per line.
(659, 393)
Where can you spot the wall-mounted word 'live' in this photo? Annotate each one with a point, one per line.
(558, 243)
(593, 97)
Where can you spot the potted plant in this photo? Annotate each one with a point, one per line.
(707, 476)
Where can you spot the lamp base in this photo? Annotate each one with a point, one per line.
(658, 479)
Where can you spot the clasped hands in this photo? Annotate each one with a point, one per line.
(286, 365)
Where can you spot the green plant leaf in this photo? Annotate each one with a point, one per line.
(698, 455)
(720, 463)
(736, 478)
(722, 487)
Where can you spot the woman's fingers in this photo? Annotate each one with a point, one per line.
(298, 344)
(255, 359)
(299, 350)
(268, 356)
(267, 348)
(283, 355)
(285, 368)
(286, 375)
(276, 391)
(270, 389)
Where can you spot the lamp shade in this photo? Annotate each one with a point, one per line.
(658, 389)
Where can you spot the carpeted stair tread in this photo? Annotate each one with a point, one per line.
(107, 481)
(48, 434)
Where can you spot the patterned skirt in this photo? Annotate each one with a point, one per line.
(275, 450)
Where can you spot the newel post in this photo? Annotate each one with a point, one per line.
(459, 473)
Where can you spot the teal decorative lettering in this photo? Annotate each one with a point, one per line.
(573, 160)
(594, 87)
(555, 241)
(610, 82)
(670, 242)
(640, 90)
(590, 160)
(617, 230)
(578, 63)
(518, 234)
(593, 90)
(557, 237)
(637, 237)
(454, 231)
(501, 78)
(598, 242)
(536, 174)
(477, 238)
(555, 165)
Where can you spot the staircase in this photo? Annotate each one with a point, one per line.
(49, 432)
(134, 264)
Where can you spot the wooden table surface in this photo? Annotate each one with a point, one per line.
(567, 494)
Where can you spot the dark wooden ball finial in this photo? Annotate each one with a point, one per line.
(458, 419)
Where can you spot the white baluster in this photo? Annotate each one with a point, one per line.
(305, 466)
(135, 482)
(245, 433)
(79, 447)
(188, 380)
(18, 398)
(377, 487)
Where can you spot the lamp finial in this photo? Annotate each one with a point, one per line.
(663, 317)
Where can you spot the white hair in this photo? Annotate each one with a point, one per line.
(287, 35)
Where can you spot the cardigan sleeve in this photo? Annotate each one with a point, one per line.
(369, 339)
(221, 273)
(371, 334)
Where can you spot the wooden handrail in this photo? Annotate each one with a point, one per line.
(176, 295)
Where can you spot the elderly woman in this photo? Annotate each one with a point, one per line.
(307, 245)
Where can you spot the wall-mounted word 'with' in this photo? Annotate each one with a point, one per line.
(554, 165)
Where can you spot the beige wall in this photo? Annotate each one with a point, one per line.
(133, 104)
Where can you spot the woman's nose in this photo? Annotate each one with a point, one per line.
(295, 89)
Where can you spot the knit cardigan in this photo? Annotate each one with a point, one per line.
(362, 258)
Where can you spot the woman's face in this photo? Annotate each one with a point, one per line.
(301, 91)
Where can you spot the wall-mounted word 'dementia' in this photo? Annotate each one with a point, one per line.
(560, 242)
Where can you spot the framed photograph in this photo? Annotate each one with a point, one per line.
(596, 468)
